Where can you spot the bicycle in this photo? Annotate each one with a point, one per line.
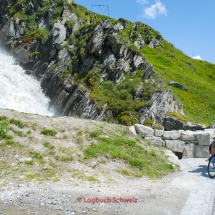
(211, 166)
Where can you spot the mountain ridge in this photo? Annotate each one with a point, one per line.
(100, 68)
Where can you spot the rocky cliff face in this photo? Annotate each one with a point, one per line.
(79, 60)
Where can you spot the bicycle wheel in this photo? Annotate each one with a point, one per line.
(211, 167)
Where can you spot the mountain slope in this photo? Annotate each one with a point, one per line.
(100, 68)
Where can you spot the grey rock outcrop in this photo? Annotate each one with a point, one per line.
(143, 131)
(193, 127)
(172, 123)
(162, 102)
(139, 91)
(149, 70)
(176, 84)
(154, 43)
(59, 34)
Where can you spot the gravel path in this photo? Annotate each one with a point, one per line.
(201, 197)
(188, 192)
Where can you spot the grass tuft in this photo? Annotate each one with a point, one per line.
(49, 132)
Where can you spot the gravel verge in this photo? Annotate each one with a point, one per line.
(187, 192)
(201, 197)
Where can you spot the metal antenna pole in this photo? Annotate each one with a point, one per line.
(99, 6)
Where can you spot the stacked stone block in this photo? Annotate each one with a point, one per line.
(190, 144)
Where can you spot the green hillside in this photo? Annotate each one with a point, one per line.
(170, 64)
(196, 75)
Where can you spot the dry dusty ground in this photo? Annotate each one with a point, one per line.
(81, 187)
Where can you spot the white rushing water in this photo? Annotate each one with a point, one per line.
(19, 91)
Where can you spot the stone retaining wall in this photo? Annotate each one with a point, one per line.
(185, 144)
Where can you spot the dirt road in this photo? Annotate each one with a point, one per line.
(189, 191)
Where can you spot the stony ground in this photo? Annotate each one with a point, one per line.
(188, 191)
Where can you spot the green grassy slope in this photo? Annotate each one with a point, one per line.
(196, 75)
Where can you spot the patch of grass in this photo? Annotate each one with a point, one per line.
(56, 179)
(12, 143)
(78, 140)
(18, 123)
(95, 134)
(53, 164)
(66, 154)
(36, 155)
(30, 138)
(64, 158)
(30, 163)
(65, 136)
(4, 127)
(92, 178)
(48, 145)
(29, 132)
(34, 126)
(3, 118)
(31, 176)
(8, 137)
(178, 116)
(49, 132)
(127, 150)
(148, 122)
(19, 133)
(125, 172)
(158, 126)
(79, 133)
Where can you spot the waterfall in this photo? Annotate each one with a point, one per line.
(19, 91)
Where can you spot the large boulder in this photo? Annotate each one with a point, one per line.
(132, 130)
(172, 123)
(143, 131)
